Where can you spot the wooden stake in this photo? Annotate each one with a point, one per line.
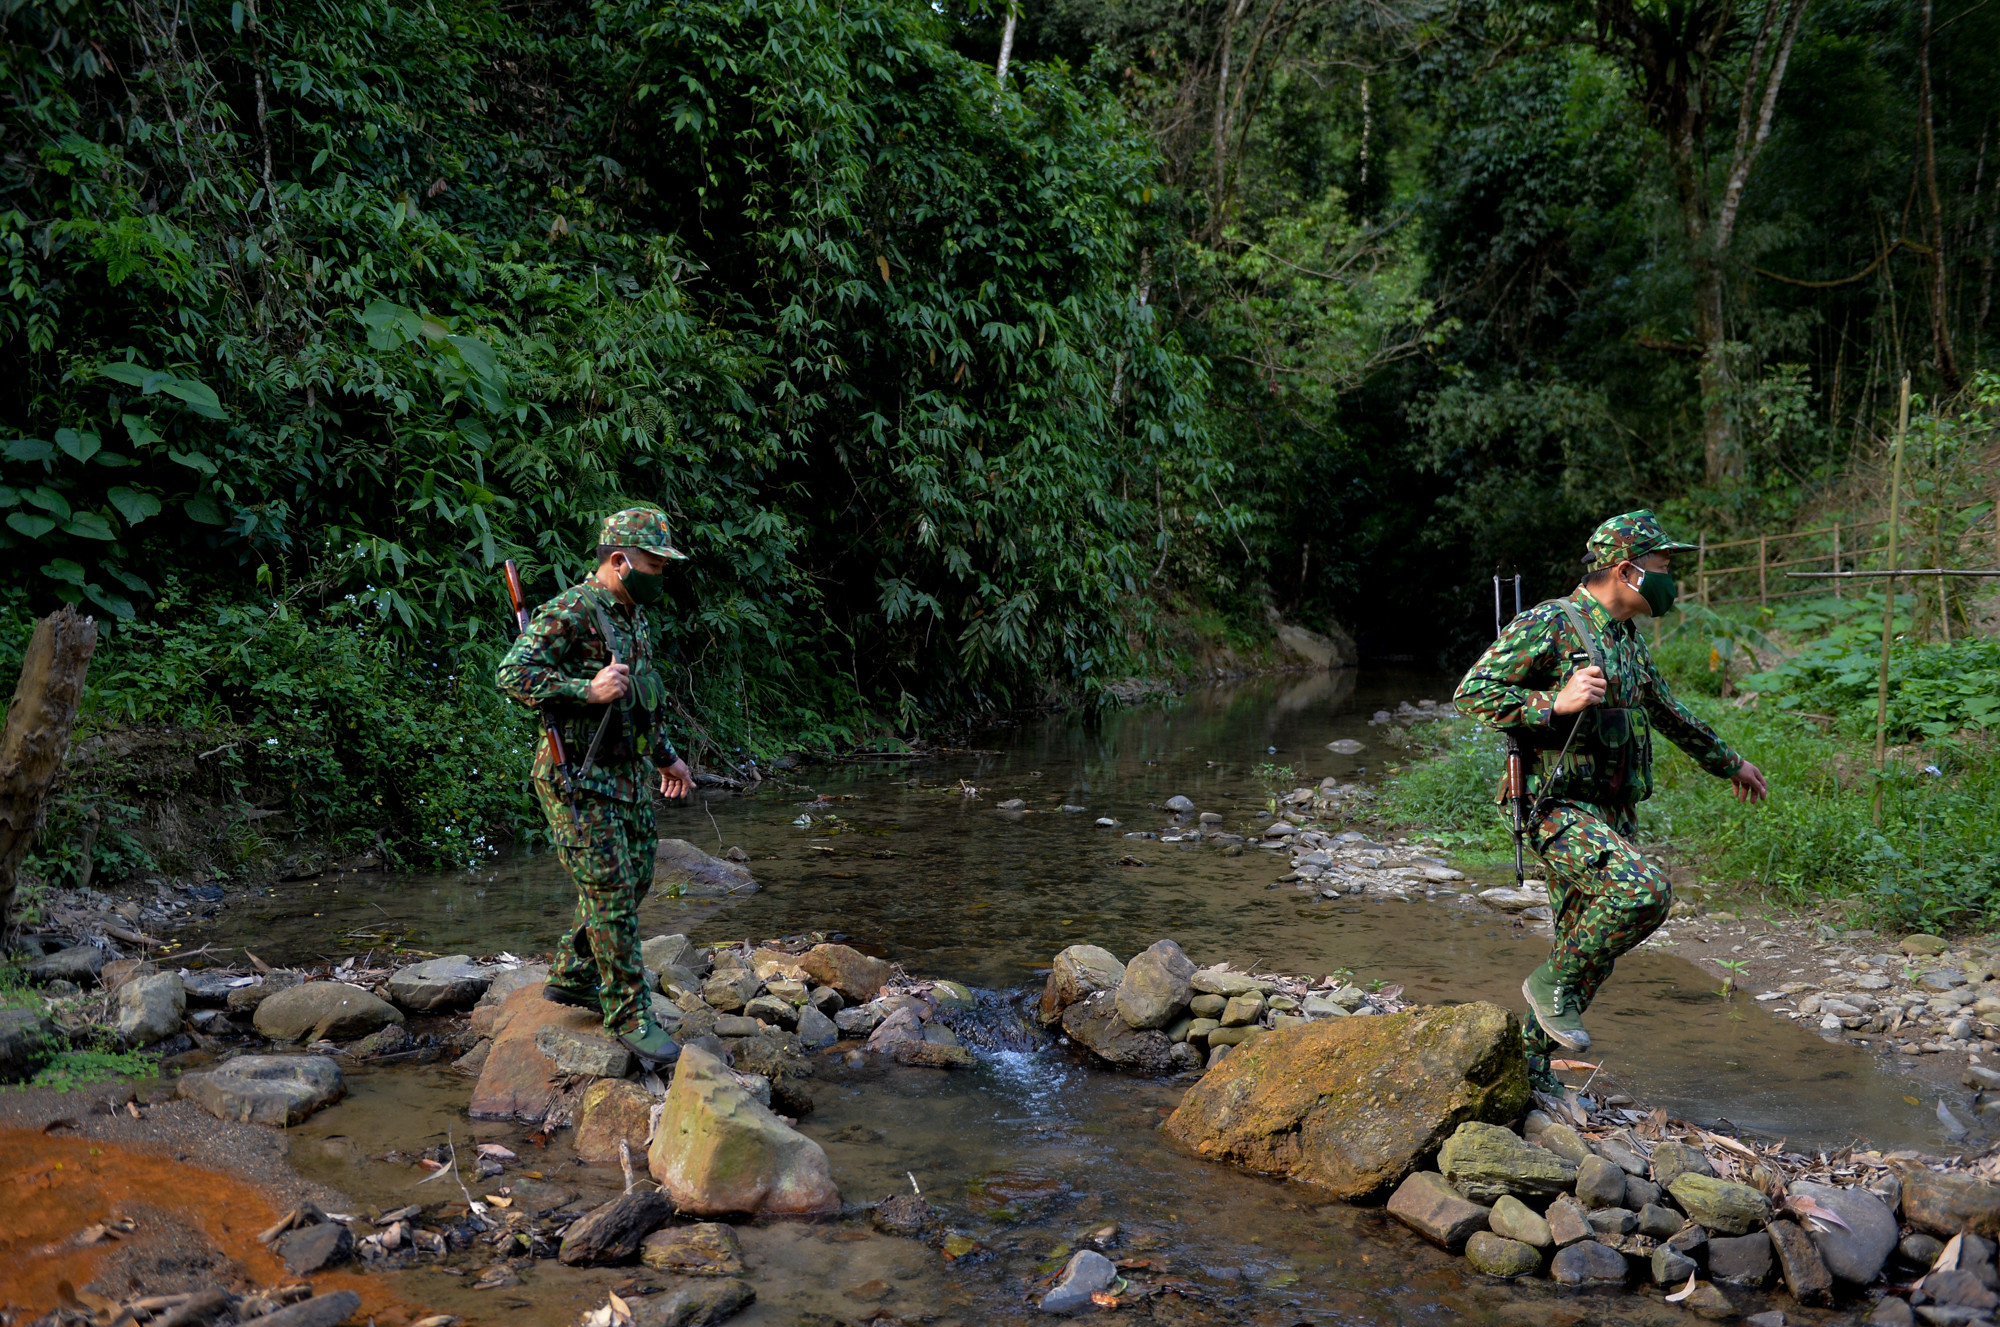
(1836, 559)
(1889, 603)
(1763, 584)
(1701, 567)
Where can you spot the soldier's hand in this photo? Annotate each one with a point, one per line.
(1749, 783)
(1584, 689)
(675, 780)
(612, 681)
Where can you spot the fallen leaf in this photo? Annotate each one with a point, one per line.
(1573, 1066)
(619, 1306)
(498, 1201)
(1948, 1120)
(1685, 1290)
(496, 1151)
(1103, 1300)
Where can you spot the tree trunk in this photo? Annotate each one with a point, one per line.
(1723, 459)
(1941, 351)
(36, 737)
(1007, 43)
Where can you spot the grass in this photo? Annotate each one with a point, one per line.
(79, 1068)
(1933, 863)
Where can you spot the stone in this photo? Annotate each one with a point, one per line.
(1214, 981)
(382, 1041)
(773, 1009)
(777, 965)
(827, 1000)
(316, 1311)
(1351, 1105)
(1657, 1222)
(899, 1027)
(1805, 1272)
(1641, 1193)
(859, 1021)
(1200, 1029)
(1744, 1260)
(1498, 1256)
(815, 1029)
(245, 999)
(1094, 1024)
(707, 1249)
(858, 977)
(115, 973)
(1621, 1156)
(310, 1248)
(695, 1304)
(1690, 1239)
(1672, 1160)
(209, 986)
(1079, 970)
(612, 1110)
(1671, 1267)
(1892, 1312)
(439, 984)
(27, 1039)
(1513, 1219)
(1599, 1183)
(278, 1090)
(518, 1080)
(1155, 989)
(1565, 1142)
(1708, 1301)
(1721, 1205)
(719, 1151)
(730, 989)
(150, 1008)
(539, 1196)
(1087, 1273)
(1586, 1264)
(1962, 1288)
(612, 1233)
(927, 1054)
(1485, 1161)
(736, 1025)
(1236, 1036)
(323, 1011)
(1858, 1253)
(1944, 1203)
(1919, 1250)
(1242, 1010)
(678, 863)
(1922, 945)
(665, 952)
(591, 1054)
(1613, 1221)
(79, 963)
(1568, 1221)
(1179, 805)
(1768, 1318)
(1427, 1204)
(1315, 1006)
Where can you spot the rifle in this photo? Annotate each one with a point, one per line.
(551, 731)
(603, 724)
(1515, 788)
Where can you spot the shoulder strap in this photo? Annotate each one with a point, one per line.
(1583, 633)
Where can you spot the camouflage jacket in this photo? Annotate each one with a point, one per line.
(1610, 759)
(550, 666)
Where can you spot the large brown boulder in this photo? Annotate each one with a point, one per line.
(854, 974)
(323, 1009)
(719, 1150)
(1353, 1105)
(1943, 1203)
(1094, 1022)
(519, 1081)
(612, 1111)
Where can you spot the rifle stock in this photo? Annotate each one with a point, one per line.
(550, 731)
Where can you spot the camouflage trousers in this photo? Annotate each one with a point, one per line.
(1606, 898)
(608, 849)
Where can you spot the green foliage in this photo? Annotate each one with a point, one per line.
(1449, 791)
(70, 1069)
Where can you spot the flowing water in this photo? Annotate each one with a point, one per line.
(1032, 1148)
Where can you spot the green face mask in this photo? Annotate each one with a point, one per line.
(1659, 591)
(645, 587)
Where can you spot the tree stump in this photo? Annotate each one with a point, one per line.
(35, 740)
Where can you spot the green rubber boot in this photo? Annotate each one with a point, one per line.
(1555, 1008)
(570, 995)
(650, 1042)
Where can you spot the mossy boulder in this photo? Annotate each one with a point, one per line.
(1486, 1162)
(1352, 1105)
(718, 1150)
(1722, 1205)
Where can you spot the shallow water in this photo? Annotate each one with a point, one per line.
(949, 886)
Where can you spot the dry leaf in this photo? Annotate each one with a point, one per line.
(1573, 1066)
(1685, 1290)
(619, 1306)
(498, 1201)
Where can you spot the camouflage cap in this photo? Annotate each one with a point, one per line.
(1628, 538)
(642, 528)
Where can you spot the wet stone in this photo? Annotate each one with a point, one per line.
(612, 1233)
(815, 1029)
(1672, 1160)
(317, 1311)
(859, 1021)
(1742, 1260)
(1858, 1252)
(323, 1010)
(1892, 1312)
(592, 1054)
(209, 986)
(451, 982)
(1568, 1222)
(1962, 1289)
(697, 1304)
(1588, 1262)
(1484, 1161)
(310, 1248)
(1944, 1203)
(612, 1111)
(1709, 1302)
(1498, 1256)
(1515, 1220)
(1671, 1267)
(1919, 1250)
(1155, 987)
(905, 1215)
(1087, 1273)
(278, 1090)
(1804, 1270)
(1658, 1222)
(1599, 1183)
(707, 1249)
(1427, 1204)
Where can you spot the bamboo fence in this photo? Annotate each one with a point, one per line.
(1740, 571)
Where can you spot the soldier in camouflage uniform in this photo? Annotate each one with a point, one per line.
(1573, 679)
(588, 653)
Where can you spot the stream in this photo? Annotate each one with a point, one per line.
(1032, 1148)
